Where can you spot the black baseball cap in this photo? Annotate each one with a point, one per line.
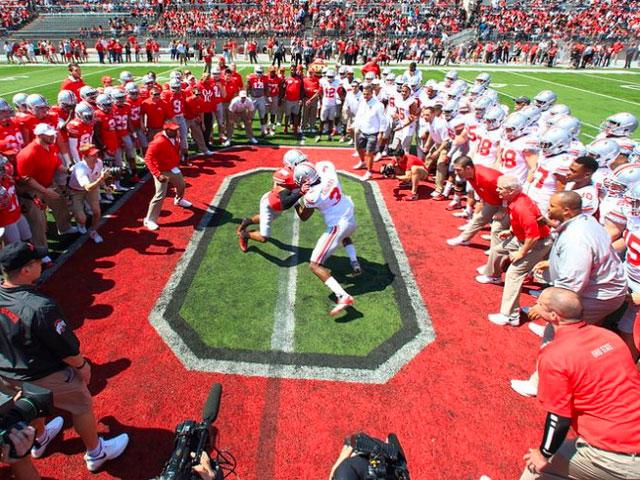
(523, 99)
(16, 255)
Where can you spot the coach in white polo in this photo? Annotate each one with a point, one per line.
(370, 122)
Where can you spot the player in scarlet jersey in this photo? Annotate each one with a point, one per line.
(12, 222)
(274, 96)
(121, 114)
(10, 134)
(80, 129)
(105, 135)
(134, 101)
(283, 195)
(174, 100)
(64, 111)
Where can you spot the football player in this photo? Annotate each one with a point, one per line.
(606, 152)
(80, 129)
(324, 193)
(64, 111)
(617, 184)
(518, 149)
(579, 179)
(620, 127)
(122, 114)
(134, 101)
(12, 222)
(329, 92)
(544, 101)
(258, 89)
(10, 134)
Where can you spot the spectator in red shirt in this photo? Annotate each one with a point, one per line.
(524, 245)
(193, 112)
(588, 381)
(163, 161)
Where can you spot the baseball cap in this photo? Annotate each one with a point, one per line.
(88, 149)
(523, 99)
(16, 255)
(44, 129)
(171, 126)
(242, 94)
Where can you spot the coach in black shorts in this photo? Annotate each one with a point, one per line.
(37, 346)
(370, 123)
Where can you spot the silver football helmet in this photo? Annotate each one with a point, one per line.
(84, 113)
(604, 151)
(331, 73)
(544, 100)
(258, 69)
(132, 89)
(148, 81)
(175, 74)
(475, 91)
(104, 103)
(6, 110)
(390, 78)
(483, 79)
(292, 158)
(175, 85)
(19, 101)
(481, 106)
(37, 104)
(450, 109)
(559, 109)
(118, 96)
(89, 94)
(451, 76)
(494, 118)
(555, 141)
(572, 124)
(514, 126)
(67, 99)
(305, 172)
(621, 124)
(632, 198)
(532, 113)
(455, 92)
(622, 179)
(414, 83)
(126, 77)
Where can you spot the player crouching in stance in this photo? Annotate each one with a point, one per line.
(322, 191)
(284, 195)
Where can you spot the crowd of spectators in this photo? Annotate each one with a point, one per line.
(14, 15)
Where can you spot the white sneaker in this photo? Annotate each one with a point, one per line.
(182, 203)
(454, 242)
(150, 224)
(480, 269)
(226, 143)
(111, 449)
(377, 157)
(366, 176)
(524, 388)
(51, 429)
(95, 236)
(253, 141)
(68, 231)
(503, 320)
(487, 252)
(537, 328)
(486, 279)
(358, 165)
(463, 227)
(435, 193)
(462, 214)
(82, 229)
(486, 236)
(355, 154)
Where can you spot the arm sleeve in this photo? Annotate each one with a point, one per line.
(73, 146)
(288, 198)
(555, 431)
(51, 328)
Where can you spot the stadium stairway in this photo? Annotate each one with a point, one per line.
(56, 26)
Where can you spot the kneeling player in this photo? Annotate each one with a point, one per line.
(411, 170)
(284, 195)
(323, 192)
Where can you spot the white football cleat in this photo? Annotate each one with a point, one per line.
(341, 304)
(150, 224)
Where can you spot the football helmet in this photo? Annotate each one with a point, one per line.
(555, 141)
(460, 83)
(559, 109)
(634, 157)
(544, 100)
(621, 124)
(532, 113)
(572, 124)
(622, 179)
(414, 83)
(451, 77)
(88, 94)
(385, 73)
(494, 118)
(126, 77)
(118, 96)
(104, 103)
(480, 107)
(450, 109)
(175, 85)
(399, 83)
(37, 104)
(632, 198)
(67, 99)
(331, 73)
(305, 172)
(455, 92)
(604, 151)
(132, 89)
(514, 126)
(293, 158)
(483, 79)
(148, 81)
(390, 79)
(476, 90)
(175, 74)
(492, 95)
(19, 101)
(6, 111)
(84, 113)
(258, 69)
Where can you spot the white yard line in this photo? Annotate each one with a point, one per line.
(599, 77)
(576, 88)
(54, 82)
(284, 325)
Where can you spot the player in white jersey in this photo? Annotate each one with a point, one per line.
(407, 112)
(620, 127)
(429, 94)
(329, 91)
(573, 126)
(606, 152)
(533, 115)
(616, 185)
(552, 167)
(324, 193)
(489, 135)
(518, 149)
(623, 223)
(544, 101)
(579, 180)
(455, 127)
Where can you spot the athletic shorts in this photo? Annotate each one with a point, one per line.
(332, 238)
(367, 142)
(17, 231)
(260, 106)
(328, 113)
(291, 107)
(267, 216)
(272, 107)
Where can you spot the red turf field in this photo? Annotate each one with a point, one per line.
(451, 407)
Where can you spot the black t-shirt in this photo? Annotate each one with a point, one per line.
(34, 337)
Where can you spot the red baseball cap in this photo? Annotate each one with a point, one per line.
(171, 126)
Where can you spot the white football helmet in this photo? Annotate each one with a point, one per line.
(175, 74)
(305, 172)
(414, 83)
(451, 77)
(559, 109)
(148, 81)
(475, 91)
(126, 77)
(460, 83)
(175, 85)
(622, 179)
(331, 73)
(37, 104)
(84, 113)
(494, 118)
(118, 96)
(385, 73)
(572, 124)
(67, 99)
(604, 151)
(514, 126)
(481, 106)
(19, 101)
(544, 100)
(6, 111)
(89, 94)
(555, 141)
(104, 103)
(390, 79)
(532, 113)
(455, 92)
(132, 90)
(483, 79)
(621, 124)
(292, 158)
(399, 84)
(258, 69)
(450, 109)
(432, 86)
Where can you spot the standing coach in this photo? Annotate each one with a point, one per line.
(370, 123)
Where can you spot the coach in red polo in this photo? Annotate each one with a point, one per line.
(484, 181)
(588, 381)
(524, 245)
(163, 161)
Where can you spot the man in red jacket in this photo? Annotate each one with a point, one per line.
(163, 161)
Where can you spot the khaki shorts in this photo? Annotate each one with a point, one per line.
(70, 392)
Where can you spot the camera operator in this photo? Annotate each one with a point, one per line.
(410, 171)
(363, 457)
(21, 439)
(84, 184)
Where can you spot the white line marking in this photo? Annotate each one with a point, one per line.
(284, 326)
(54, 82)
(576, 88)
(599, 77)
